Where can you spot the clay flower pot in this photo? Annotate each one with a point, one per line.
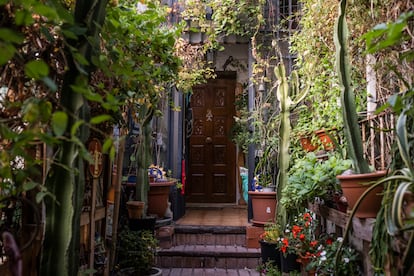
(264, 207)
(354, 185)
(135, 209)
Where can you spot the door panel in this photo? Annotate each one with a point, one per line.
(212, 159)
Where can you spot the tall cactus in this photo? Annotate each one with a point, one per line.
(350, 116)
(60, 255)
(289, 94)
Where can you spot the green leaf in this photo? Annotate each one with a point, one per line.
(100, 118)
(49, 12)
(36, 69)
(50, 83)
(75, 127)
(7, 52)
(112, 153)
(107, 145)
(59, 122)
(23, 17)
(27, 186)
(9, 35)
(80, 58)
(40, 196)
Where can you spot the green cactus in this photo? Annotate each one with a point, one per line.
(350, 117)
(60, 255)
(289, 94)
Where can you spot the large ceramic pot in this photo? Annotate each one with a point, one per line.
(354, 185)
(264, 207)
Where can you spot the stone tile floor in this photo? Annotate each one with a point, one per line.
(223, 216)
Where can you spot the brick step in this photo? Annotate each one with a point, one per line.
(209, 235)
(208, 271)
(209, 256)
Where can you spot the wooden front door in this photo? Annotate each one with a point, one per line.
(212, 158)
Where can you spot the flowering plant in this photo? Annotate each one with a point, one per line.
(299, 238)
(325, 263)
(271, 234)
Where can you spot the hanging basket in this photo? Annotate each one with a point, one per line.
(135, 209)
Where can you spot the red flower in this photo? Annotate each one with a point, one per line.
(307, 217)
(285, 245)
(302, 237)
(296, 230)
(313, 243)
(329, 241)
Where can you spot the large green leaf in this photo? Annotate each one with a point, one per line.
(59, 122)
(36, 69)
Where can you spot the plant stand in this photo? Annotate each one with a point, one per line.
(334, 221)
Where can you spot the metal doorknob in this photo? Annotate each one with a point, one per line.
(209, 140)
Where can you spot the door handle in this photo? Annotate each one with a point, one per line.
(209, 140)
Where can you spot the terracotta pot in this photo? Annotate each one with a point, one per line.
(264, 207)
(135, 209)
(354, 185)
(325, 139)
(158, 196)
(307, 144)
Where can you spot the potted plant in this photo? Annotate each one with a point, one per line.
(269, 248)
(352, 183)
(136, 252)
(299, 243)
(262, 192)
(159, 192)
(311, 178)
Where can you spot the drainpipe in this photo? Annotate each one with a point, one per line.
(174, 135)
(251, 148)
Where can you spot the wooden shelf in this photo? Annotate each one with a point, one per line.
(99, 214)
(361, 228)
(334, 221)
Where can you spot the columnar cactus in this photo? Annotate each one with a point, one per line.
(350, 116)
(289, 94)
